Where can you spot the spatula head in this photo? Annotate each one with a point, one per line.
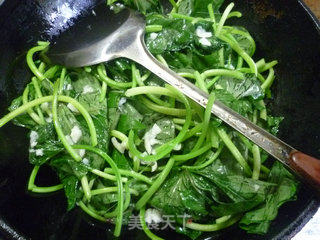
(89, 40)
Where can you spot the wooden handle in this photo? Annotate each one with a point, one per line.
(308, 167)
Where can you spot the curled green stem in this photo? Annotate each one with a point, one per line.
(31, 63)
(213, 227)
(65, 99)
(114, 167)
(33, 188)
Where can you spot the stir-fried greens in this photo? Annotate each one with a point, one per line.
(121, 141)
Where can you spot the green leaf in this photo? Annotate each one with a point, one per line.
(120, 70)
(66, 165)
(23, 120)
(176, 34)
(69, 122)
(259, 220)
(159, 133)
(198, 8)
(143, 6)
(127, 123)
(192, 234)
(244, 42)
(237, 188)
(167, 130)
(274, 123)
(196, 58)
(105, 202)
(130, 119)
(120, 160)
(71, 190)
(242, 106)
(88, 90)
(47, 146)
(113, 99)
(177, 196)
(241, 88)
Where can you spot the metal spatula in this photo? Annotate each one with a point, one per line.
(104, 35)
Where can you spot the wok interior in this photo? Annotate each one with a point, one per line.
(281, 32)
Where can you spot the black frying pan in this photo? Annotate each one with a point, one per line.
(284, 30)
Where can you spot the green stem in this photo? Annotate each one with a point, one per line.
(200, 80)
(239, 63)
(174, 5)
(36, 87)
(38, 95)
(235, 46)
(244, 140)
(234, 150)
(162, 60)
(103, 92)
(51, 71)
(103, 76)
(223, 72)
(169, 146)
(136, 164)
(30, 111)
(50, 189)
(90, 212)
(192, 132)
(260, 63)
(86, 188)
(32, 187)
(235, 14)
(65, 99)
(186, 75)
(181, 16)
(42, 67)
(177, 112)
(267, 84)
(192, 154)
(213, 227)
(149, 90)
(131, 173)
(105, 156)
(206, 120)
(246, 35)
(107, 176)
(30, 61)
(214, 137)
(207, 163)
(153, 28)
(212, 82)
(254, 116)
(256, 162)
(263, 111)
(224, 18)
(119, 135)
(267, 66)
(88, 69)
(57, 126)
(211, 14)
(156, 184)
(111, 189)
(145, 77)
(137, 78)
